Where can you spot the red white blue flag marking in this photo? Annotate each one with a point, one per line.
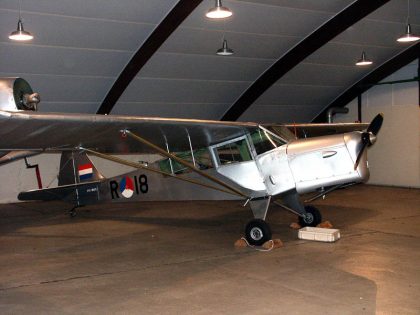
(85, 171)
(127, 187)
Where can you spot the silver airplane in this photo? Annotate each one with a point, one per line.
(252, 162)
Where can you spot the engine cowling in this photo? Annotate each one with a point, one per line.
(327, 161)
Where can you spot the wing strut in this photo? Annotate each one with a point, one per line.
(142, 166)
(184, 163)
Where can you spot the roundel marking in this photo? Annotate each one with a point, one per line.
(127, 187)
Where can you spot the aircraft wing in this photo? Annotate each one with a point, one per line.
(315, 130)
(36, 131)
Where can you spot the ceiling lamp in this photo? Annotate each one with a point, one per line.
(20, 34)
(225, 50)
(408, 37)
(363, 61)
(219, 11)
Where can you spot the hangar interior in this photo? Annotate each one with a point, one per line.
(291, 62)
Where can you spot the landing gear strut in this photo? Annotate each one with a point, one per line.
(308, 215)
(257, 232)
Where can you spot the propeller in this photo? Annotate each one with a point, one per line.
(369, 136)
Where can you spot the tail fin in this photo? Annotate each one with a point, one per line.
(75, 168)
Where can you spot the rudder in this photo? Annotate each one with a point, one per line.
(76, 167)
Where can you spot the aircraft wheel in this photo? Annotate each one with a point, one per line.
(257, 232)
(72, 213)
(312, 218)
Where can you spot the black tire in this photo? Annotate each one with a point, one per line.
(257, 232)
(72, 212)
(313, 217)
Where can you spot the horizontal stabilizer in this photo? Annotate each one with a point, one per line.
(85, 193)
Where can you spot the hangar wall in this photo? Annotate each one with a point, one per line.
(395, 158)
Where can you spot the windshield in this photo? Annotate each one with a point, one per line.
(265, 140)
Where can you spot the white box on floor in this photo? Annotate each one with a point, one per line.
(319, 234)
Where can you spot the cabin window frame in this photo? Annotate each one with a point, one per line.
(215, 153)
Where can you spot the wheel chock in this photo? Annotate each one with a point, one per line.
(241, 243)
(325, 225)
(295, 226)
(272, 244)
(267, 246)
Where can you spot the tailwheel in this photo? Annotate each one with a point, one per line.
(72, 212)
(257, 232)
(311, 218)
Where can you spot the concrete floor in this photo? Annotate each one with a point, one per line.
(179, 258)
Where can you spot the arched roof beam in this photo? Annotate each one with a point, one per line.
(377, 75)
(339, 23)
(169, 24)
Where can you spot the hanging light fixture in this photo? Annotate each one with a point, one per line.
(408, 36)
(20, 34)
(225, 50)
(219, 11)
(363, 61)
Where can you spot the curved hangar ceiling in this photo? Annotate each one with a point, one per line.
(82, 46)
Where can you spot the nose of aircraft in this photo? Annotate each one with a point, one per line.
(372, 139)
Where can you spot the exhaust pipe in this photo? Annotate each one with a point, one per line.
(335, 110)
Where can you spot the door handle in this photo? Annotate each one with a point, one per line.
(327, 154)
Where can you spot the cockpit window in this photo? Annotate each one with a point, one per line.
(200, 158)
(233, 152)
(265, 140)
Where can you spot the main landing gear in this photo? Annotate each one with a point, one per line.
(257, 231)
